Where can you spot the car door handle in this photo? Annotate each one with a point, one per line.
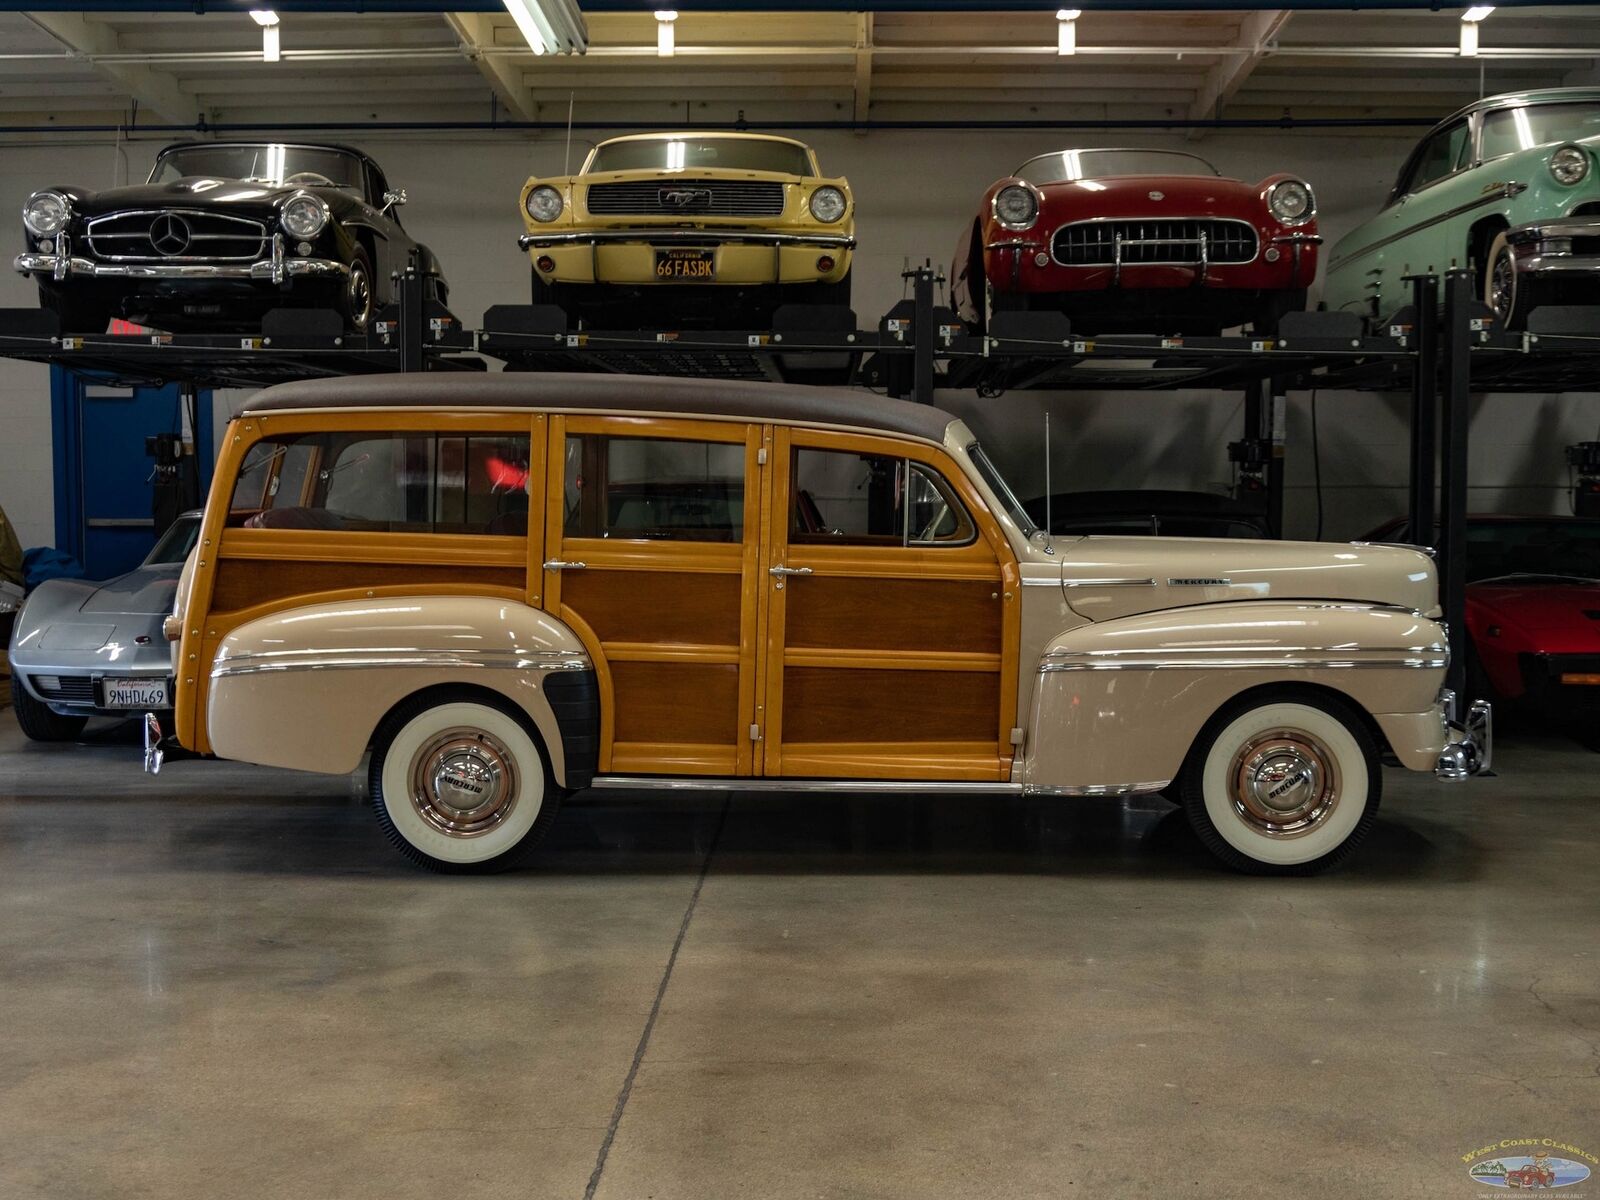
(556, 564)
(780, 570)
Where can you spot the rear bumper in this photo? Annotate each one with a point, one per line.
(1469, 749)
(279, 268)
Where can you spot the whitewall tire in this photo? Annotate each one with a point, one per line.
(1283, 784)
(461, 785)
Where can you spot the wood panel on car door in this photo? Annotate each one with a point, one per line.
(884, 661)
(667, 609)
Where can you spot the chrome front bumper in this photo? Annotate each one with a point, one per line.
(696, 237)
(1469, 749)
(1545, 247)
(280, 268)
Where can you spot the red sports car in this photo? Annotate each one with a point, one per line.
(1138, 241)
(1533, 608)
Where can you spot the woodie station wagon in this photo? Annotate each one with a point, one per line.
(512, 587)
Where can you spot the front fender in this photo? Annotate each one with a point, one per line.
(1119, 703)
(307, 687)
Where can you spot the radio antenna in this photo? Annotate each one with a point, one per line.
(1049, 526)
(566, 163)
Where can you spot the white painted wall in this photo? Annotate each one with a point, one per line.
(915, 193)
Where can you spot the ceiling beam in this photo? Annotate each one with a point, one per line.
(475, 31)
(863, 90)
(1257, 31)
(154, 90)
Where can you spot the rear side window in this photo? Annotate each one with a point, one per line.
(843, 498)
(387, 483)
(657, 488)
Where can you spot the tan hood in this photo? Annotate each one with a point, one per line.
(1109, 577)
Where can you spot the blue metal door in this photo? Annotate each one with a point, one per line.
(103, 476)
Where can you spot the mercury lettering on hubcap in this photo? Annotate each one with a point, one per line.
(1283, 783)
(463, 783)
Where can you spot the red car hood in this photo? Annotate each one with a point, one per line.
(1559, 614)
(1181, 196)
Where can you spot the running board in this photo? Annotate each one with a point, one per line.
(910, 787)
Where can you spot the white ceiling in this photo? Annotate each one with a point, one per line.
(64, 69)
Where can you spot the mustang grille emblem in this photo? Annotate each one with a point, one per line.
(684, 197)
(169, 234)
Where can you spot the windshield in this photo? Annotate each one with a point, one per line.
(1067, 165)
(1500, 549)
(678, 154)
(268, 163)
(1507, 130)
(1001, 489)
(174, 545)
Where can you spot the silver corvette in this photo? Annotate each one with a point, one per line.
(84, 649)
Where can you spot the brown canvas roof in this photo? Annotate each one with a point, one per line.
(741, 400)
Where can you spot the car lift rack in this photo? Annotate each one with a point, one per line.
(919, 348)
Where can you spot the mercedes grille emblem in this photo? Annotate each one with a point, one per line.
(169, 234)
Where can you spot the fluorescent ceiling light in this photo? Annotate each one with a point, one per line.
(1477, 12)
(550, 26)
(666, 43)
(1469, 38)
(1067, 30)
(271, 47)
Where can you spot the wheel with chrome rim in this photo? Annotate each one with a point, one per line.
(1283, 784)
(356, 300)
(461, 785)
(1504, 291)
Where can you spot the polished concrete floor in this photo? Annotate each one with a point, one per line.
(222, 983)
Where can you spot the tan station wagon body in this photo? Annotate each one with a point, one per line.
(691, 583)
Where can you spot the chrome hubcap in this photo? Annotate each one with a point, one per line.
(1502, 287)
(463, 783)
(360, 297)
(1284, 783)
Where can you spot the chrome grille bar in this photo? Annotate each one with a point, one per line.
(1183, 241)
(687, 198)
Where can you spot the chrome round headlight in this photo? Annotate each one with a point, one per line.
(46, 213)
(1291, 202)
(304, 215)
(1569, 164)
(828, 204)
(544, 204)
(1016, 206)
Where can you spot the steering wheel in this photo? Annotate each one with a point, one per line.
(309, 179)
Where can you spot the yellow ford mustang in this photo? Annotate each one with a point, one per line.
(674, 229)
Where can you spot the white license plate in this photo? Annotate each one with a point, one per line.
(136, 693)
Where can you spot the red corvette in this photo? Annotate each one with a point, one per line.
(1533, 608)
(1138, 241)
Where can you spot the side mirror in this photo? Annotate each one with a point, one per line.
(393, 198)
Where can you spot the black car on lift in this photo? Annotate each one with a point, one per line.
(221, 233)
(1153, 512)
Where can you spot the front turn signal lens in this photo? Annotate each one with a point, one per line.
(1581, 678)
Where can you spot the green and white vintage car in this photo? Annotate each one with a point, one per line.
(1507, 187)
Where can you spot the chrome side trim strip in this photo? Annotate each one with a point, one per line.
(1504, 192)
(1027, 582)
(1297, 657)
(394, 656)
(1129, 582)
(943, 787)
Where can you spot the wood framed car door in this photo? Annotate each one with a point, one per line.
(652, 543)
(890, 607)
